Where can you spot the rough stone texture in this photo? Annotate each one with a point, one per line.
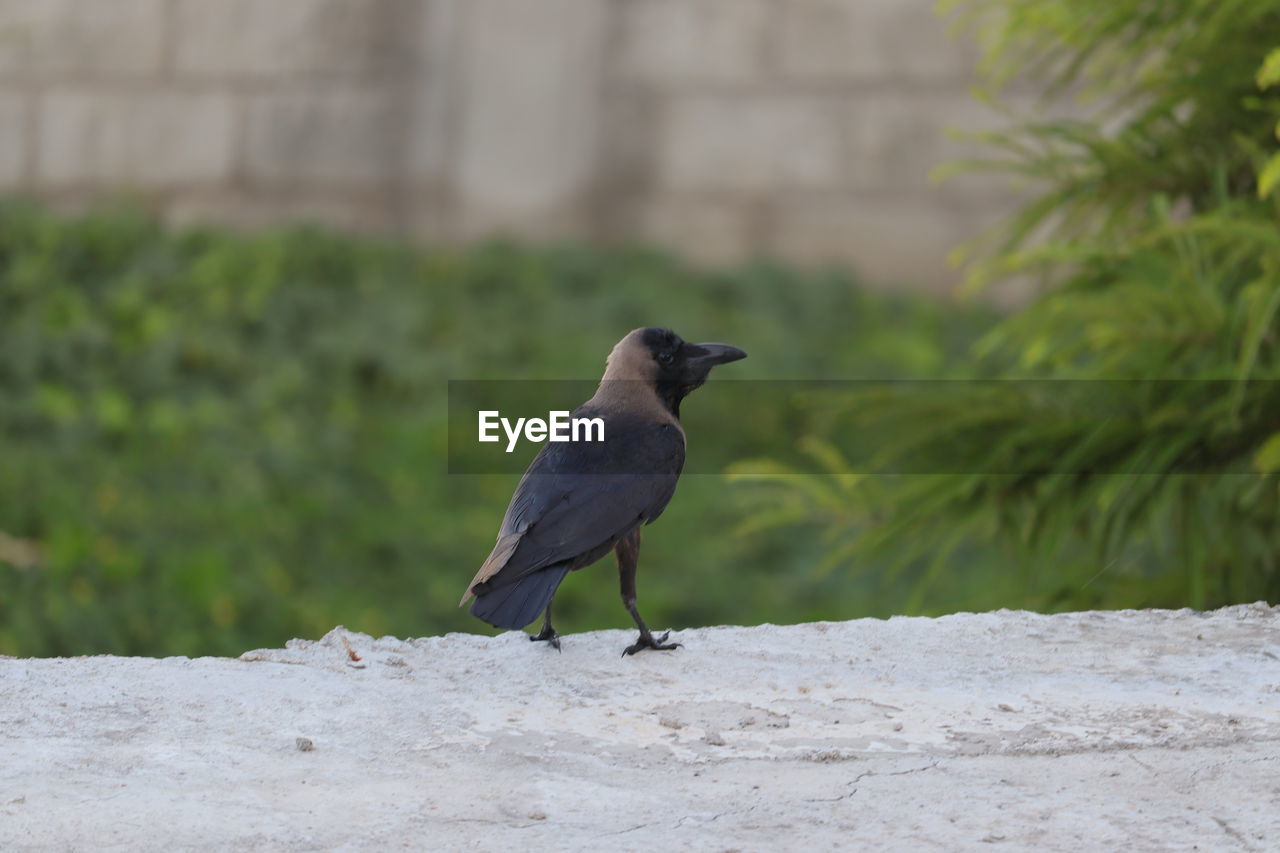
(1133, 730)
(58, 37)
(708, 231)
(884, 237)
(147, 140)
(895, 142)
(528, 123)
(869, 40)
(719, 128)
(246, 211)
(436, 96)
(752, 143)
(13, 140)
(683, 42)
(292, 37)
(338, 137)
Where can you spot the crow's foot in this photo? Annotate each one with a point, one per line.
(549, 635)
(648, 641)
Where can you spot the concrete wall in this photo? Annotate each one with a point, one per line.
(720, 128)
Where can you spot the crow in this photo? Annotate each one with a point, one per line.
(579, 500)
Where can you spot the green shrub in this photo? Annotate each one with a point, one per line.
(1151, 238)
(216, 442)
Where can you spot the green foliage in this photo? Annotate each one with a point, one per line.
(1151, 240)
(1268, 76)
(216, 442)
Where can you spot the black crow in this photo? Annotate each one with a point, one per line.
(579, 500)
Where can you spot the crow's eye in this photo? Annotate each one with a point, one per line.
(666, 358)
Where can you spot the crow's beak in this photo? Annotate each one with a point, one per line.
(707, 356)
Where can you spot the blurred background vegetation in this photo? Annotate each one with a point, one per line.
(214, 442)
(1151, 244)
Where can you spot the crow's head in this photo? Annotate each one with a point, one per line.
(669, 365)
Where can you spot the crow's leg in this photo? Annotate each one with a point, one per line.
(628, 551)
(548, 633)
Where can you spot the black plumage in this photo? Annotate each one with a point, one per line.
(580, 500)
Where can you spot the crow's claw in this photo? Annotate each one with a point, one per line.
(648, 641)
(551, 638)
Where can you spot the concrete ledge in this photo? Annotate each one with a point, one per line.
(1123, 730)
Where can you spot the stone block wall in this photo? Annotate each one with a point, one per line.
(722, 129)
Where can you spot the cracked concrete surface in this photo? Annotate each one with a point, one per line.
(1144, 730)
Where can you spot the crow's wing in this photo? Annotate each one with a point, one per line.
(579, 496)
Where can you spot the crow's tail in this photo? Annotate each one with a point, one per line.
(515, 605)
